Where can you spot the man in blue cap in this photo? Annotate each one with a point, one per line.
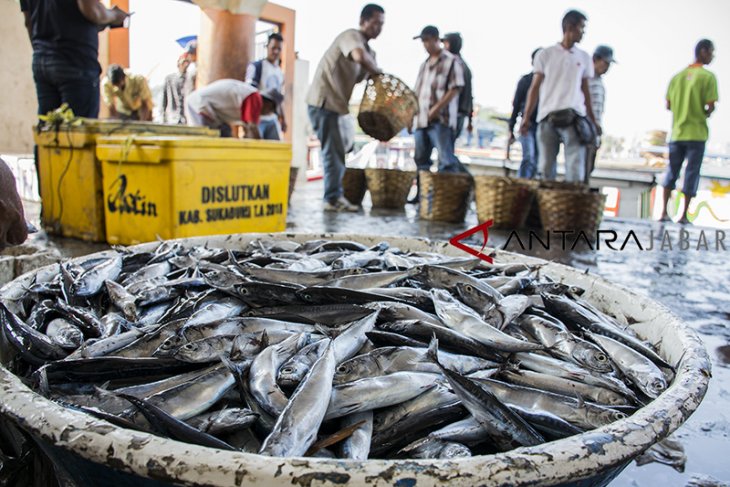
(602, 59)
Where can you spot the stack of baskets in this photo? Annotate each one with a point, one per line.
(354, 185)
(388, 106)
(503, 200)
(444, 196)
(389, 188)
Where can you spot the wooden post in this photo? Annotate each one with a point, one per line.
(225, 45)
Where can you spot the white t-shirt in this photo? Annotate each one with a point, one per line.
(221, 100)
(564, 70)
(271, 76)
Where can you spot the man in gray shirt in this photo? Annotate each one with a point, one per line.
(602, 59)
(347, 62)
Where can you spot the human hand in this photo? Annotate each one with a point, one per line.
(599, 130)
(433, 114)
(511, 139)
(118, 16)
(284, 126)
(524, 126)
(470, 127)
(13, 229)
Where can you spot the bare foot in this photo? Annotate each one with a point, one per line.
(684, 221)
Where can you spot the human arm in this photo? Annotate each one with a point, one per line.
(13, 229)
(109, 98)
(517, 102)
(711, 96)
(589, 106)
(145, 110)
(163, 107)
(531, 103)
(282, 119)
(364, 59)
(98, 14)
(435, 110)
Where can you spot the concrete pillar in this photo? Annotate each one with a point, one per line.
(225, 45)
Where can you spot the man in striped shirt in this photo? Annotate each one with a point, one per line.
(440, 79)
(602, 59)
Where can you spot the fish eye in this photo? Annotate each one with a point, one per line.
(601, 358)
(307, 297)
(658, 385)
(468, 288)
(619, 415)
(342, 369)
(244, 291)
(287, 370)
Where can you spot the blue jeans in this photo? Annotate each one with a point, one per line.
(269, 129)
(57, 82)
(437, 136)
(528, 166)
(549, 138)
(694, 152)
(326, 125)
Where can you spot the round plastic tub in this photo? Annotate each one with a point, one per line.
(93, 452)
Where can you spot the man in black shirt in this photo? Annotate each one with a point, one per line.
(453, 43)
(528, 167)
(65, 39)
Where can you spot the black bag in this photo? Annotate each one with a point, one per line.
(562, 118)
(586, 130)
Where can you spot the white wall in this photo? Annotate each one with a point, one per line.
(19, 104)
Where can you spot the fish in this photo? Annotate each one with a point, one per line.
(297, 426)
(264, 368)
(637, 367)
(357, 445)
(564, 345)
(386, 360)
(377, 392)
(459, 317)
(503, 425)
(345, 345)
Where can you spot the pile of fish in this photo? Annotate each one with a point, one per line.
(326, 349)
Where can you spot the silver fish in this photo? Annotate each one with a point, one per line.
(296, 429)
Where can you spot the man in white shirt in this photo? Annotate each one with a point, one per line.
(561, 79)
(224, 103)
(348, 61)
(266, 74)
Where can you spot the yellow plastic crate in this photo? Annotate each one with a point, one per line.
(70, 173)
(173, 187)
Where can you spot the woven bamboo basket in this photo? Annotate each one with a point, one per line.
(354, 185)
(570, 209)
(387, 107)
(505, 201)
(444, 197)
(389, 188)
(564, 185)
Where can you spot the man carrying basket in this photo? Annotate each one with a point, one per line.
(347, 62)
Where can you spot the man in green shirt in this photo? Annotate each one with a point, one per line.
(691, 97)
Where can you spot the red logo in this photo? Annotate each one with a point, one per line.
(484, 228)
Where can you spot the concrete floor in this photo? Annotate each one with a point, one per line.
(692, 283)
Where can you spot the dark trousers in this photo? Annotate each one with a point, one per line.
(57, 82)
(694, 152)
(327, 127)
